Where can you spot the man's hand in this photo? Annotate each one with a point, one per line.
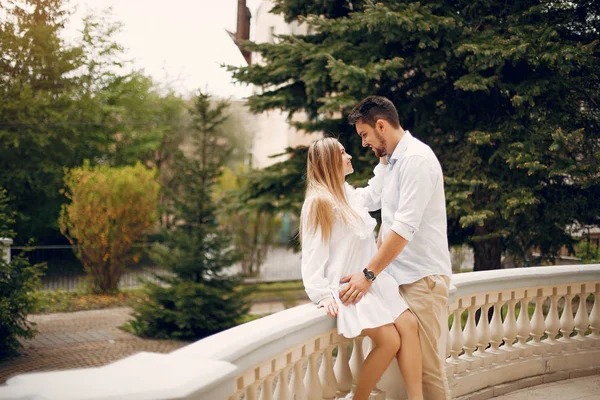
(358, 285)
(330, 306)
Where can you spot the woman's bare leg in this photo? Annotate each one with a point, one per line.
(387, 344)
(409, 356)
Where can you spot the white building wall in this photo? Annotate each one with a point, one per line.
(274, 134)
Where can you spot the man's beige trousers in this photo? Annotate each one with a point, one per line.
(428, 300)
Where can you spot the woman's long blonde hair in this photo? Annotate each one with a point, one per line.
(325, 187)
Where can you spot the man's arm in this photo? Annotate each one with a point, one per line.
(418, 183)
(358, 284)
(389, 250)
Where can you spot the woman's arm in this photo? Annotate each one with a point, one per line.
(315, 255)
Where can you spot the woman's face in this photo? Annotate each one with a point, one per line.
(346, 160)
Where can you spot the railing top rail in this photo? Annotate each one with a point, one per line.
(248, 344)
(470, 283)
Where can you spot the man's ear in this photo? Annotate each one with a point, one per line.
(380, 124)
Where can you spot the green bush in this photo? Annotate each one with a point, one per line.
(189, 310)
(111, 208)
(18, 280)
(587, 252)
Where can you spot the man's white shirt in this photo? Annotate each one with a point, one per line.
(409, 190)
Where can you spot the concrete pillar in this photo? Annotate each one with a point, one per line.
(5, 248)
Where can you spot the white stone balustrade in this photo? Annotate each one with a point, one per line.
(297, 353)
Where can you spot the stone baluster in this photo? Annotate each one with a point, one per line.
(510, 328)
(236, 396)
(342, 370)
(553, 323)
(312, 383)
(251, 390)
(448, 345)
(497, 332)
(327, 375)
(470, 338)
(297, 381)
(282, 389)
(457, 339)
(267, 388)
(567, 322)
(537, 323)
(524, 329)
(484, 334)
(595, 317)
(582, 321)
(356, 359)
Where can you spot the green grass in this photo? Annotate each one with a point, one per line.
(63, 301)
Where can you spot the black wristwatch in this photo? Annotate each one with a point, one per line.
(370, 275)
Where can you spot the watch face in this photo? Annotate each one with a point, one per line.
(369, 274)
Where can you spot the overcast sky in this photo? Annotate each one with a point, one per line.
(182, 41)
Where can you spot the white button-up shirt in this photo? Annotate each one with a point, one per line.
(410, 193)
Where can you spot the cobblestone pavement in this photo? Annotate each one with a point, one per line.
(90, 339)
(80, 339)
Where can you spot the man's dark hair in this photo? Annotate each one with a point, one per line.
(372, 108)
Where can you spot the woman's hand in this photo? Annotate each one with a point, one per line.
(330, 306)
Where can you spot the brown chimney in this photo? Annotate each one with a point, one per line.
(243, 29)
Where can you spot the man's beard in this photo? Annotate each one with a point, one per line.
(381, 150)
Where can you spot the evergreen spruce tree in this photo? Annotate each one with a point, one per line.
(199, 297)
(506, 93)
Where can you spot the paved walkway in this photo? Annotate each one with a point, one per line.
(80, 339)
(89, 339)
(587, 388)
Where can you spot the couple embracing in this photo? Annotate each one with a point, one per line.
(394, 289)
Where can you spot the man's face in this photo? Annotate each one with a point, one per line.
(373, 137)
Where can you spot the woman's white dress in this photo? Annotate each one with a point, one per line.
(351, 248)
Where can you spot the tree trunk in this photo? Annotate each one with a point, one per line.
(487, 250)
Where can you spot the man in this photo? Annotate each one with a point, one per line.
(413, 236)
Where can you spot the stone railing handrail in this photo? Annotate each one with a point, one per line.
(517, 278)
(297, 353)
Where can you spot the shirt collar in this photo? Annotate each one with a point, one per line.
(400, 148)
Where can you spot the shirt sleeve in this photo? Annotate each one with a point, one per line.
(315, 255)
(418, 181)
(370, 196)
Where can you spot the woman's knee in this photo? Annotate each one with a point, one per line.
(385, 337)
(408, 323)
(395, 341)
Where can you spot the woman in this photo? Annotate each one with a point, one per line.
(337, 240)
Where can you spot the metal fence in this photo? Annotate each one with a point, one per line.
(65, 271)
